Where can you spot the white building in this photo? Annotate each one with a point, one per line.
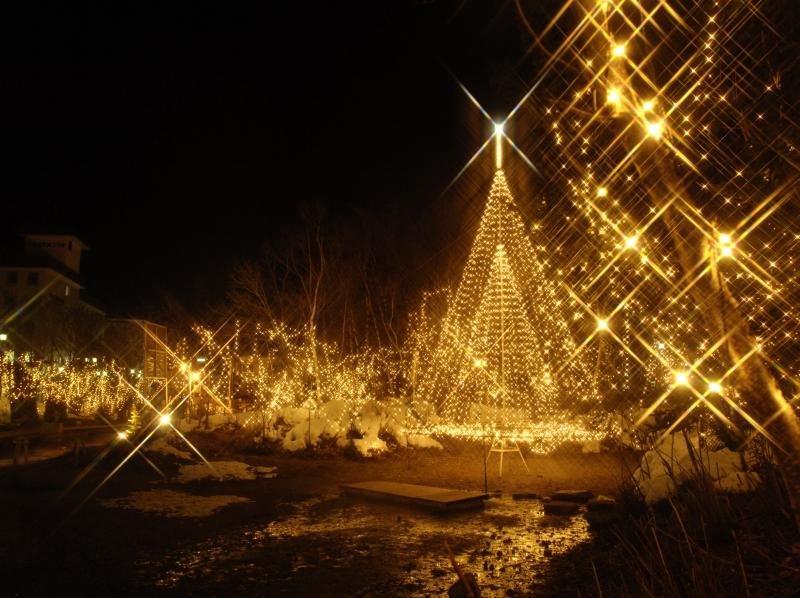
(49, 267)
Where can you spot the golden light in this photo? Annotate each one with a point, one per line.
(602, 324)
(715, 388)
(631, 242)
(3, 336)
(165, 419)
(479, 363)
(655, 128)
(618, 51)
(725, 242)
(122, 435)
(498, 145)
(184, 367)
(681, 379)
(613, 96)
(194, 376)
(648, 105)
(602, 192)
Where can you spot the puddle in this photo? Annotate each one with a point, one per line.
(341, 546)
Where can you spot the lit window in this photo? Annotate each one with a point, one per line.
(66, 290)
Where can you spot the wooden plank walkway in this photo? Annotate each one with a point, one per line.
(444, 499)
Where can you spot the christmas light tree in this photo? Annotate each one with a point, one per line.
(506, 366)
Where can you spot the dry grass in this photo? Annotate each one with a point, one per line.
(699, 543)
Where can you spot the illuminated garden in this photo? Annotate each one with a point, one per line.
(570, 367)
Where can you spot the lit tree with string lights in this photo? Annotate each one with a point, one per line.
(506, 366)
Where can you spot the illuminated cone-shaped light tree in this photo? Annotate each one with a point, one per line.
(506, 365)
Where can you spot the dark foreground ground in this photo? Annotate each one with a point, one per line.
(295, 535)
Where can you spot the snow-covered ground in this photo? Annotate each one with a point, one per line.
(298, 428)
(677, 458)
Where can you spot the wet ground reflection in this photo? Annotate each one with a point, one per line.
(342, 546)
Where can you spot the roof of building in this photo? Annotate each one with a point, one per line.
(61, 235)
(22, 261)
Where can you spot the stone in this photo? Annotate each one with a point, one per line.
(559, 507)
(600, 519)
(524, 496)
(572, 495)
(601, 503)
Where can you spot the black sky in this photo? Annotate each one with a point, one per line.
(176, 139)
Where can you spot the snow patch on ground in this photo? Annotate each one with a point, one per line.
(224, 470)
(297, 428)
(163, 447)
(676, 458)
(171, 503)
(420, 441)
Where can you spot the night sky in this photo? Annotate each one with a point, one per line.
(176, 140)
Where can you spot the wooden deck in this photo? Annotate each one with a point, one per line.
(442, 499)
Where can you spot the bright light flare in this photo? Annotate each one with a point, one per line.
(726, 244)
(618, 50)
(631, 242)
(122, 435)
(681, 379)
(655, 128)
(165, 419)
(614, 97)
(715, 388)
(602, 324)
